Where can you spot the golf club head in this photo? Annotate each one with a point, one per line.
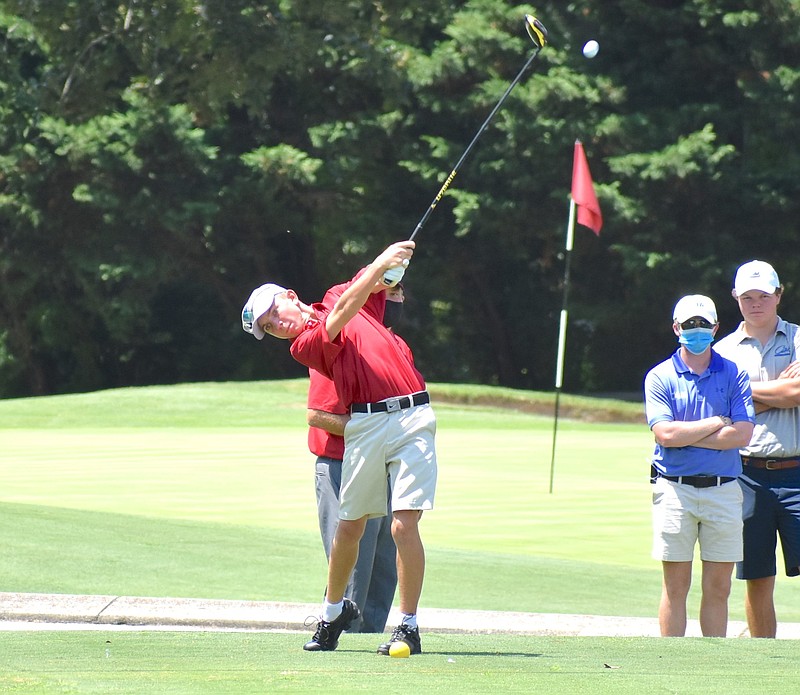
(536, 30)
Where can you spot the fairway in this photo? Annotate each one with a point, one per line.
(187, 663)
(206, 491)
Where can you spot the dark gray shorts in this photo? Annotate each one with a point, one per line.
(771, 509)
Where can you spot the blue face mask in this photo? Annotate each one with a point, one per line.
(696, 340)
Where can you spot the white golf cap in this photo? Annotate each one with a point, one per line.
(756, 275)
(260, 302)
(695, 305)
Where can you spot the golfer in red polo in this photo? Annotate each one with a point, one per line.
(391, 429)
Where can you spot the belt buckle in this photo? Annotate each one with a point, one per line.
(768, 464)
(392, 405)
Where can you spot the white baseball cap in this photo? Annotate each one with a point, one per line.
(756, 275)
(259, 303)
(695, 305)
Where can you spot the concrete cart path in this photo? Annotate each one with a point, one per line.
(23, 611)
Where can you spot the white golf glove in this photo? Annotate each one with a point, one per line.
(392, 276)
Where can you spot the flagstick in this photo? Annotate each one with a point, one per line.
(562, 332)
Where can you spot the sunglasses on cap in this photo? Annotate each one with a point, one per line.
(688, 324)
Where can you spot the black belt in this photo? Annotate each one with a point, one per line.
(391, 405)
(775, 464)
(699, 480)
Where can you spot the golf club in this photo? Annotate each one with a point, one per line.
(538, 35)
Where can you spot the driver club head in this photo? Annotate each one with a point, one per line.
(536, 30)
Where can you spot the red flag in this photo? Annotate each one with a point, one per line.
(589, 214)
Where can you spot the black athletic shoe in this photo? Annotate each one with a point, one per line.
(326, 638)
(403, 633)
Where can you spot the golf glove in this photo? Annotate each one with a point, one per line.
(392, 276)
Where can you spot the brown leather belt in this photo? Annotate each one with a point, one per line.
(770, 464)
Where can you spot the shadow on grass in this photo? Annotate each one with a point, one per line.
(450, 653)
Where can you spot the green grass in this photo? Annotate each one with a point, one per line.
(181, 662)
(206, 490)
(262, 404)
(56, 550)
(210, 405)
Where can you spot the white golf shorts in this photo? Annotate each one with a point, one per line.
(684, 515)
(398, 444)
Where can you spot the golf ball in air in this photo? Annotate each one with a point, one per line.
(399, 650)
(591, 48)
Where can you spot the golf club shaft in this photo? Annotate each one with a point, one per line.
(453, 173)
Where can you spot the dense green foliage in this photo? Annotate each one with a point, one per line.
(160, 158)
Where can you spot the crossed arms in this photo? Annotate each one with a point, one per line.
(716, 432)
(783, 392)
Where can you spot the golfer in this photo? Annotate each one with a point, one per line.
(391, 430)
(373, 583)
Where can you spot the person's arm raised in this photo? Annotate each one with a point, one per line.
(355, 296)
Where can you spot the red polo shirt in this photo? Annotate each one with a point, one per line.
(365, 361)
(322, 396)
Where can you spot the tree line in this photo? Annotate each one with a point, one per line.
(161, 158)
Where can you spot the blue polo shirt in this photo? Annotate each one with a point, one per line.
(673, 393)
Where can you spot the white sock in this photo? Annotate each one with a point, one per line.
(410, 619)
(331, 611)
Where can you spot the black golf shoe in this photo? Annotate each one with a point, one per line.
(326, 638)
(403, 633)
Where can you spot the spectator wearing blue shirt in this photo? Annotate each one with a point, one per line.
(699, 407)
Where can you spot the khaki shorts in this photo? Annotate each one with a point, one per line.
(398, 444)
(684, 515)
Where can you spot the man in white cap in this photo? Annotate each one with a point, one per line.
(700, 410)
(390, 431)
(766, 347)
(373, 584)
